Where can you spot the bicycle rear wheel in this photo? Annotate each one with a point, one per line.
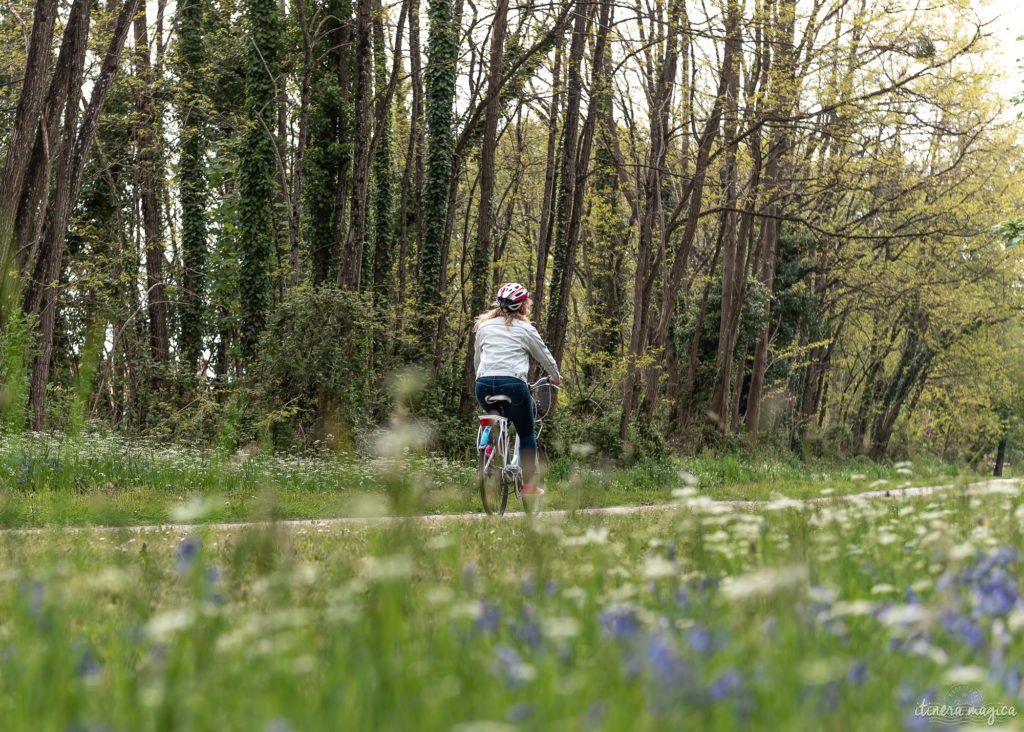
(493, 489)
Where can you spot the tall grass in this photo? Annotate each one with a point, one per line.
(842, 616)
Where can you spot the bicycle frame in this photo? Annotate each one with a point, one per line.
(499, 444)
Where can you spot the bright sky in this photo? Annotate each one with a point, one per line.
(1008, 24)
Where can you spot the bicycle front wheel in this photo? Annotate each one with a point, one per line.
(493, 489)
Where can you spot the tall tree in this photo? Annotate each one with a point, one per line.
(20, 144)
(150, 175)
(352, 253)
(383, 161)
(480, 281)
(192, 178)
(440, 77)
(257, 171)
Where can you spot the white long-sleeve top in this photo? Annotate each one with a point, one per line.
(502, 350)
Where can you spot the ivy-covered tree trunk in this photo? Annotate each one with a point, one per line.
(148, 139)
(325, 160)
(352, 253)
(383, 166)
(192, 180)
(256, 172)
(442, 55)
(410, 209)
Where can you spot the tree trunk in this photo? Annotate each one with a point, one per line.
(352, 253)
(783, 88)
(653, 241)
(148, 161)
(20, 145)
(545, 228)
(997, 471)
(192, 182)
(383, 163)
(480, 282)
(563, 245)
(733, 264)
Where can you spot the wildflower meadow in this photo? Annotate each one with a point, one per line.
(883, 613)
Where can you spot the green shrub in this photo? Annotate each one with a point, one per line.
(314, 377)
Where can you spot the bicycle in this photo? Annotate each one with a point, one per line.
(498, 470)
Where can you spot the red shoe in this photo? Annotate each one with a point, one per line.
(532, 490)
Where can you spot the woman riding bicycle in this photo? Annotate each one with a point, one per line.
(505, 340)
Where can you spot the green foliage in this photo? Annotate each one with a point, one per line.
(15, 357)
(314, 377)
(256, 172)
(440, 80)
(329, 155)
(192, 177)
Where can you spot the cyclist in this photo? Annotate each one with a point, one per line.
(505, 340)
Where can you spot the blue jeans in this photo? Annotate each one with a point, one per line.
(519, 411)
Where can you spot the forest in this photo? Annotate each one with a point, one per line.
(793, 224)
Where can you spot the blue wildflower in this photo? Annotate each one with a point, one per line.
(489, 618)
(997, 594)
(725, 685)
(670, 550)
(858, 673)
(596, 714)
(519, 712)
(683, 600)
(620, 622)
(279, 725)
(212, 575)
(88, 666)
(699, 638)
(963, 628)
(511, 666)
(527, 629)
(916, 722)
(468, 576)
(1011, 681)
(188, 551)
(665, 664)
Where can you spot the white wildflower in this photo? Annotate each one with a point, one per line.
(904, 615)
(164, 625)
(964, 675)
(657, 567)
(764, 582)
(560, 628)
(383, 569)
(845, 608)
(592, 536)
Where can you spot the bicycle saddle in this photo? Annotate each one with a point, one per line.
(494, 399)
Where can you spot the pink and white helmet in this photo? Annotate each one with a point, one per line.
(512, 296)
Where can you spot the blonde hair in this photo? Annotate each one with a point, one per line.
(522, 314)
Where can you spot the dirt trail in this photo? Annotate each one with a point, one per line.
(893, 493)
